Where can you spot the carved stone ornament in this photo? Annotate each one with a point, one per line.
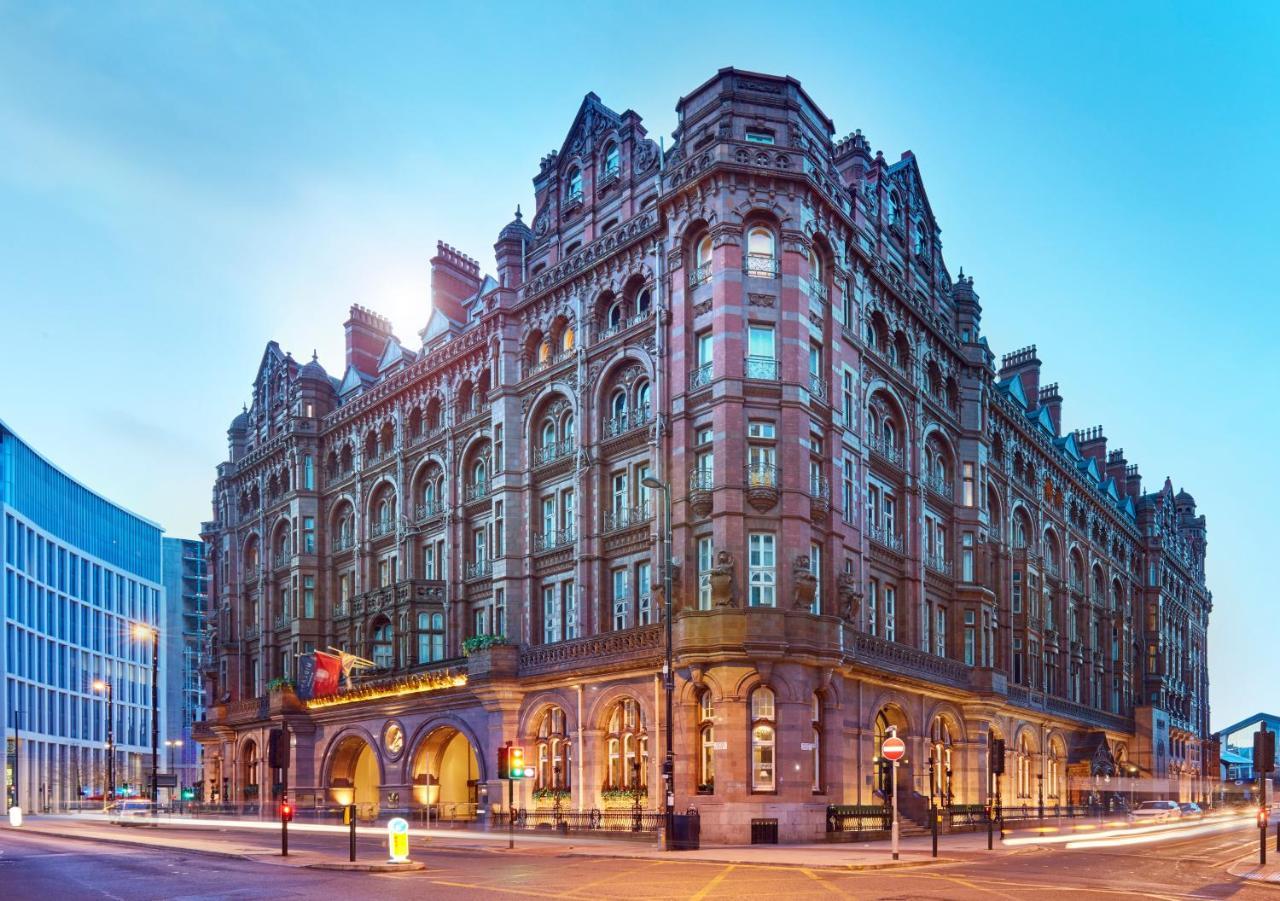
(644, 157)
(805, 584)
(760, 300)
(722, 581)
(848, 590)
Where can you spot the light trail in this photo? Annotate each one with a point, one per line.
(1109, 834)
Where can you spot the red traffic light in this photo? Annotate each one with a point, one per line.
(286, 812)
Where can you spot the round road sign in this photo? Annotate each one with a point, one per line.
(893, 749)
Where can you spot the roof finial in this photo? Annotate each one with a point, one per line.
(519, 217)
(961, 273)
(315, 357)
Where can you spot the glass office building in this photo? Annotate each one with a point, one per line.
(186, 589)
(78, 573)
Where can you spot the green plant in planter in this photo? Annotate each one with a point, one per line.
(617, 797)
(279, 684)
(707, 788)
(480, 642)
(550, 794)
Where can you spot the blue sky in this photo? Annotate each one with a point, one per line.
(182, 181)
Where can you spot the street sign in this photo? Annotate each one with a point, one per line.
(893, 749)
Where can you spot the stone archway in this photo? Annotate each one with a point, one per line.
(354, 775)
(446, 775)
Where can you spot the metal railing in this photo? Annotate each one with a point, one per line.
(818, 386)
(819, 487)
(475, 491)
(381, 527)
(700, 377)
(699, 275)
(280, 561)
(477, 569)
(882, 448)
(701, 480)
(858, 818)
(572, 197)
(625, 422)
(760, 265)
(886, 537)
(941, 485)
(764, 368)
(549, 453)
(546, 541)
(429, 509)
(623, 324)
(343, 543)
(761, 475)
(938, 564)
(818, 291)
(622, 517)
(640, 822)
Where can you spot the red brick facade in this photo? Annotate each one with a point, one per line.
(873, 525)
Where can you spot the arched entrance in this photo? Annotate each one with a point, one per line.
(250, 768)
(446, 774)
(890, 720)
(354, 776)
(941, 740)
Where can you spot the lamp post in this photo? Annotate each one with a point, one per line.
(142, 633)
(102, 685)
(172, 743)
(668, 681)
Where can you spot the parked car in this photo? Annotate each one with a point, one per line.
(1156, 812)
(1191, 810)
(130, 813)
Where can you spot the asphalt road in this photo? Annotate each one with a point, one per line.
(51, 868)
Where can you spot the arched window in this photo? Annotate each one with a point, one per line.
(704, 252)
(627, 748)
(893, 209)
(548, 434)
(553, 751)
(643, 303)
(383, 642)
(544, 353)
(566, 429)
(763, 740)
(574, 190)
(1021, 529)
(706, 743)
(1053, 775)
(642, 400)
(815, 739)
(480, 475)
(566, 339)
(921, 239)
(761, 259)
(615, 316)
(618, 405)
(815, 267)
(611, 159)
(940, 741)
(1025, 754)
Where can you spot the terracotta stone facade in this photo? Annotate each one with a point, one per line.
(874, 525)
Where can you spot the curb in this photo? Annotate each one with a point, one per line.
(368, 867)
(1252, 871)
(843, 867)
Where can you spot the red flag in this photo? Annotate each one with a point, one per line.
(328, 671)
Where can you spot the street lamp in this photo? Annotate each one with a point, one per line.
(108, 796)
(172, 743)
(669, 762)
(143, 633)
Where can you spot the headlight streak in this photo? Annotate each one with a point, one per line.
(1131, 835)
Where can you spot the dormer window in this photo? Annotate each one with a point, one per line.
(574, 192)
(612, 160)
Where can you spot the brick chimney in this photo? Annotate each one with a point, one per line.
(1132, 481)
(454, 278)
(1093, 445)
(1026, 366)
(1051, 400)
(1117, 466)
(367, 335)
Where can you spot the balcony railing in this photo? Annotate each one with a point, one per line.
(625, 422)
(699, 274)
(882, 448)
(818, 387)
(700, 377)
(818, 291)
(282, 621)
(623, 324)
(761, 265)
(819, 487)
(572, 198)
(547, 541)
(280, 561)
(622, 517)
(609, 176)
(940, 485)
(764, 368)
(343, 543)
(549, 453)
(885, 536)
(478, 569)
(475, 491)
(533, 368)
(381, 527)
(762, 475)
(938, 564)
(701, 480)
(429, 509)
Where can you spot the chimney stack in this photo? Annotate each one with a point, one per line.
(367, 335)
(1132, 482)
(1026, 366)
(1093, 445)
(1051, 400)
(1117, 467)
(454, 278)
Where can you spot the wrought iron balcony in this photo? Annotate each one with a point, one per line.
(475, 491)
(380, 527)
(762, 475)
(700, 377)
(622, 517)
(819, 487)
(884, 449)
(609, 176)
(572, 199)
(549, 453)
(429, 509)
(478, 569)
(547, 541)
(761, 265)
(818, 291)
(699, 275)
(701, 480)
(280, 560)
(625, 422)
(763, 368)
(283, 621)
(940, 485)
(623, 324)
(818, 387)
(938, 564)
(344, 542)
(885, 536)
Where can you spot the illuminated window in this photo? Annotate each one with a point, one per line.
(763, 739)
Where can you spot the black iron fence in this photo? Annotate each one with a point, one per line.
(857, 818)
(638, 822)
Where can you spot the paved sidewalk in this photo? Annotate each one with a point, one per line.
(1255, 872)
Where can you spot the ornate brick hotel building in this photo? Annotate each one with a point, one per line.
(873, 525)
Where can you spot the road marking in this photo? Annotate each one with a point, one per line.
(716, 880)
(610, 878)
(490, 888)
(822, 882)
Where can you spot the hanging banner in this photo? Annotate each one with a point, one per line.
(328, 671)
(306, 676)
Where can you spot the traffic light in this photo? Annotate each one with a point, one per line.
(1264, 751)
(286, 811)
(997, 756)
(516, 760)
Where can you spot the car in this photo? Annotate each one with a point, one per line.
(1191, 809)
(1156, 812)
(134, 812)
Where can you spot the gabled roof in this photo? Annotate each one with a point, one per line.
(1041, 418)
(1271, 719)
(438, 325)
(1090, 466)
(1012, 386)
(1109, 486)
(593, 117)
(272, 354)
(393, 354)
(353, 381)
(1067, 444)
(907, 169)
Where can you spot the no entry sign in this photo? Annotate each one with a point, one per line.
(893, 748)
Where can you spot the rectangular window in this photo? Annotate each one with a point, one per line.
(890, 613)
(847, 489)
(704, 349)
(548, 519)
(621, 598)
(429, 562)
(1017, 592)
(757, 137)
(570, 610)
(873, 607)
(644, 601)
(815, 568)
(760, 341)
(967, 497)
(308, 535)
(499, 526)
(763, 569)
(706, 555)
(308, 473)
(550, 615)
(970, 637)
(499, 611)
(966, 557)
(567, 515)
(940, 632)
(848, 405)
(309, 597)
(759, 428)
(619, 493)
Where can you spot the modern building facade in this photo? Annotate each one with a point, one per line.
(186, 586)
(79, 573)
(875, 527)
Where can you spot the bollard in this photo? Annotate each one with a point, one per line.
(351, 818)
(398, 840)
(936, 819)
